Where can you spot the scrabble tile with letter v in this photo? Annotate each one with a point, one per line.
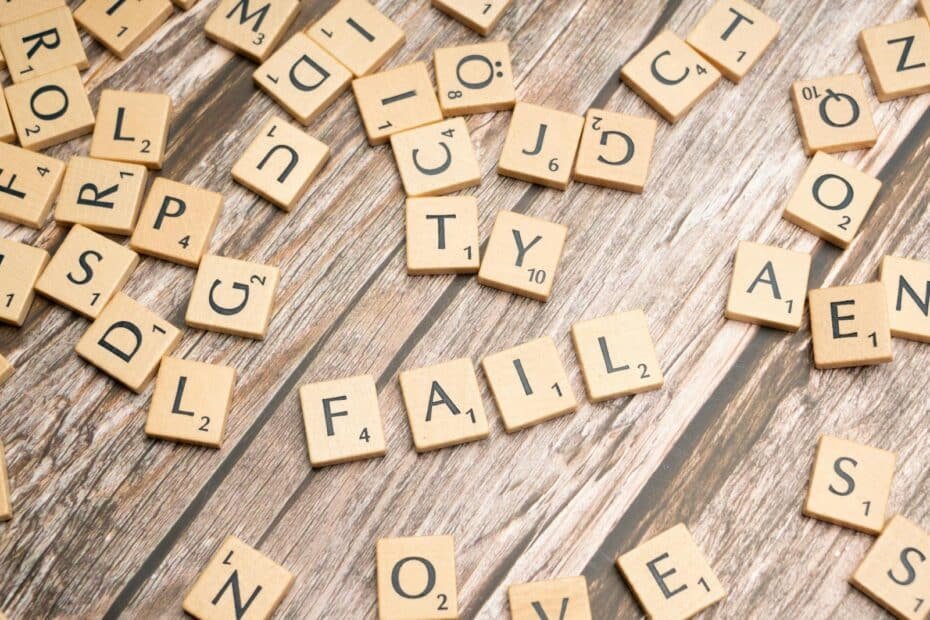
(565, 598)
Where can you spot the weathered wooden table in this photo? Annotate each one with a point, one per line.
(110, 522)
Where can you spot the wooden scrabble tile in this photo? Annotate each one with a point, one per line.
(342, 420)
(237, 580)
(670, 575)
(50, 109)
(833, 114)
(733, 35)
(849, 325)
(670, 76)
(122, 26)
(15, 10)
(416, 578)
(769, 286)
(6, 369)
(850, 484)
(894, 571)
(86, 271)
(103, 195)
(233, 297)
(357, 35)
(898, 58)
(6, 503)
(190, 402)
(474, 78)
(540, 146)
(442, 235)
(529, 384)
(20, 266)
(615, 150)
(185, 5)
(132, 127)
(832, 199)
(522, 255)
(443, 405)
(436, 159)
(29, 183)
(396, 100)
(42, 43)
(280, 163)
(923, 8)
(249, 27)
(127, 342)
(2, 62)
(616, 355)
(176, 222)
(302, 78)
(565, 598)
(479, 15)
(7, 131)
(907, 289)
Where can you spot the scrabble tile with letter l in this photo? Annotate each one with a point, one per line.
(29, 183)
(565, 598)
(396, 100)
(252, 28)
(103, 195)
(238, 579)
(523, 255)
(50, 109)
(132, 127)
(540, 145)
(442, 235)
(342, 420)
(127, 342)
(907, 288)
(443, 405)
(6, 369)
(670, 575)
(474, 78)
(416, 578)
(769, 286)
(122, 26)
(20, 267)
(849, 325)
(41, 44)
(833, 114)
(358, 35)
(15, 10)
(615, 150)
(850, 484)
(6, 503)
(481, 16)
(898, 58)
(670, 76)
(733, 35)
(436, 159)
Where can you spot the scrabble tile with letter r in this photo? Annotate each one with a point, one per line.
(132, 127)
(416, 578)
(396, 100)
(442, 235)
(615, 150)
(898, 58)
(479, 15)
(833, 114)
(733, 35)
(29, 183)
(540, 146)
(907, 289)
(565, 598)
(436, 159)
(358, 35)
(41, 44)
(769, 286)
(252, 28)
(50, 109)
(20, 267)
(122, 26)
(6, 503)
(849, 325)
(474, 78)
(103, 195)
(15, 10)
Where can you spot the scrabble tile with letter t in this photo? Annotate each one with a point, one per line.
(436, 159)
(132, 127)
(833, 114)
(769, 286)
(442, 235)
(733, 35)
(357, 35)
(253, 30)
(541, 145)
(20, 267)
(479, 15)
(122, 26)
(898, 58)
(41, 43)
(403, 593)
(50, 109)
(849, 325)
(565, 598)
(29, 183)
(907, 287)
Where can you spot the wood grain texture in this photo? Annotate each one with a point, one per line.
(111, 523)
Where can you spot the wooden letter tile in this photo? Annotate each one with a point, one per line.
(442, 235)
(42, 44)
(529, 384)
(443, 405)
(833, 114)
(523, 255)
(127, 341)
(832, 199)
(122, 26)
(898, 58)
(769, 286)
(29, 183)
(184, 5)
(923, 8)
(190, 402)
(907, 289)
(20, 266)
(15, 10)
(233, 297)
(104, 196)
(565, 598)
(479, 15)
(474, 78)
(670, 76)
(396, 100)
(416, 578)
(540, 146)
(7, 131)
(50, 109)
(849, 325)
(733, 36)
(670, 575)
(86, 271)
(616, 355)
(252, 28)
(342, 420)
(239, 582)
(894, 572)
(615, 150)
(6, 369)
(436, 159)
(132, 127)
(357, 35)
(176, 222)
(6, 503)
(280, 163)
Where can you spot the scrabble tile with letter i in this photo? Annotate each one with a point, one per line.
(358, 35)
(565, 598)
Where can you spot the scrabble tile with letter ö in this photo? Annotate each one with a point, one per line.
(769, 286)
(132, 127)
(357, 35)
(472, 79)
(50, 109)
(436, 159)
(416, 578)
(481, 16)
(898, 58)
(102, 195)
(6, 503)
(733, 35)
(565, 598)
(41, 43)
(396, 100)
(833, 114)
(20, 267)
(442, 235)
(122, 26)
(907, 289)
(251, 29)
(615, 150)
(29, 183)
(540, 146)
(849, 325)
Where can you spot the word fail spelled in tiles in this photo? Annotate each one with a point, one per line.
(29, 183)
(233, 297)
(342, 420)
(50, 109)
(670, 76)
(769, 286)
(20, 266)
(103, 195)
(6, 503)
(907, 288)
(833, 114)
(898, 58)
(479, 15)
(190, 402)
(132, 127)
(443, 405)
(733, 35)
(849, 325)
(442, 235)
(252, 28)
(529, 384)
(357, 35)
(832, 199)
(436, 159)
(474, 78)
(522, 255)
(670, 575)
(615, 150)
(416, 578)
(540, 146)
(616, 355)
(122, 26)
(238, 582)
(565, 598)
(15, 10)
(127, 341)
(41, 44)
(396, 100)
(280, 163)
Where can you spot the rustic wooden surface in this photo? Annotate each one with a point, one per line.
(108, 522)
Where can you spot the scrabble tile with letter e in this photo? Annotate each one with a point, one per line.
(50, 109)
(15, 10)
(442, 235)
(769, 286)
(436, 159)
(6, 503)
(252, 28)
(357, 35)
(6, 369)
(103, 195)
(416, 578)
(122, 26)
(833, 114)
(29, 183)
(565, 598)
(7, 131)
(42, 43)
(540, 146)
(132, 127)
(898, 58)
(474, 78)
(20, 266)
(733, 35)
(615, 150)
(396, 100)
(849, 325)
(481, 16)
(907, 288)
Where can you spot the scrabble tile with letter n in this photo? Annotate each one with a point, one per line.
(898, 58)
(479, 15)
(252, 28)
(565, 598)
(769, 286)
(615, 150)
(849, 325)
(442, 235)
(416, 578)
(540, 146)
(50, 109)
(396, 100)
(20, 267)
(29, 183)
(436, 159)
(6, 503)
(103, 195)
(833, 114)
(41, 43)
(474, 78)
(733, 35)
(132, 127)
(907, 288)
(357, 35)
(122, 26)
